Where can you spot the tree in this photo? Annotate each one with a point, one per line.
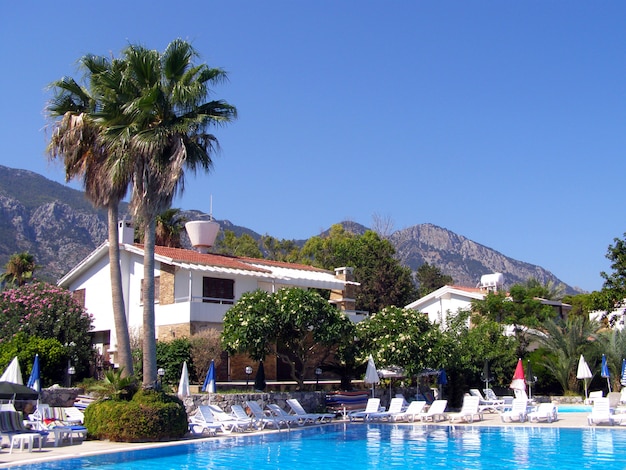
(403, 338)
(77, 138)
(613, 290)
(563, 343)
(297, 325)
(160, 130)
(48, 312)
(19, 269)
(280, 250)
(244, 245)
(430, 278)
(550, 290)
(384, 282)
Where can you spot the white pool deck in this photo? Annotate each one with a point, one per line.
(89, 447)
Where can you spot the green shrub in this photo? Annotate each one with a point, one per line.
(150, 416)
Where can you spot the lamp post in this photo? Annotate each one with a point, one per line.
(160, 373)
(70, 372)
(318, 372)
(248, 374)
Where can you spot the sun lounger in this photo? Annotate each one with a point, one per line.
(373, 406)
(414, 409)
(544, 412)
(469, 410)
(593, 395)
(282, 415)
(601, 412)
(518, 411)
(262, 419)
(202, 422)
(299, 411)
(230, 422)
(12, 423)
(436, 412)
(395, 409)
(492, 405)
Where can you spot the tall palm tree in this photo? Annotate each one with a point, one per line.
(19, 269)
(77, 140)
(161, 130)
(169, 226)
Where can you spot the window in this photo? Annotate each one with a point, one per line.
(218, 291)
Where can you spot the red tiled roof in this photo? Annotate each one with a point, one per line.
(209, 259)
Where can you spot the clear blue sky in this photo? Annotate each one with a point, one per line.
(501, 121)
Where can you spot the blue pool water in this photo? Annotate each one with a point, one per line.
(574, 409)
(374, 446)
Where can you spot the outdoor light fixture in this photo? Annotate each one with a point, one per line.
(318, 372)
(248, 374)
(70, 372)
(161, 373)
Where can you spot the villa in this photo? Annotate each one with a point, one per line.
(193, 288)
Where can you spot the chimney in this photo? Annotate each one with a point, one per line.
(126, 232)
(202, 234)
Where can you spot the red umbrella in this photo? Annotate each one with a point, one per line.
(519, 381)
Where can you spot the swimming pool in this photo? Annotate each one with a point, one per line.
(574, 409)
(373, 446)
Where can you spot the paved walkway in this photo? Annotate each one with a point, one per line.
(85, 448)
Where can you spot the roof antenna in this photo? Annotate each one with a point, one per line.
(211, 207)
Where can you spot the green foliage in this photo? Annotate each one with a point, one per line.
(48, 312)
(171, 355)
(150, 416)
(52, 357)
(384, 281)
(404, 338)
(115, 385)
(280, 250)
(244, 245)
(304, 328)
(19, 269)
(430, 278)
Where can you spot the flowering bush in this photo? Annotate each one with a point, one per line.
(403, 338)
(49, 312)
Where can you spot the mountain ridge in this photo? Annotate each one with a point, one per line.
(59, 227)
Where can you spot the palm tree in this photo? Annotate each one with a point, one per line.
(19, 269)
(161, 130)
(77, 139)
(169, 226)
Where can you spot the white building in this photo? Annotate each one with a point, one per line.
(193, 290)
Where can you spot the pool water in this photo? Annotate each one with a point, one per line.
(374, 446)
(574, 409)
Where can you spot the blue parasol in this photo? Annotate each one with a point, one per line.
(623, 378)
(209, 381)
(34, 381)
(605, 372)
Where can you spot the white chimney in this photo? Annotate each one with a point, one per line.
(202, 234)
(126, 232)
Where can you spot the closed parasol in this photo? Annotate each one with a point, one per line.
(371, 374)
(183, 385)
(605, 373)
(519, 382)
(583, 373)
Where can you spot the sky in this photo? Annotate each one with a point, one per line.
(501, 121)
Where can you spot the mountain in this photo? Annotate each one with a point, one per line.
(60, 227)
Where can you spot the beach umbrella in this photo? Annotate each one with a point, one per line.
(34, 380)
(13, 373)
(259, 379)
(485, 374)
(583, 373)
(623, 377)
(13, 391)
(183, 385)
(443, 380)
(209, 381)
(518, 382)
(605, 373)
(371, 374)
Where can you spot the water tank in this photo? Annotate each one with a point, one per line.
(202, 234)
(492, 280)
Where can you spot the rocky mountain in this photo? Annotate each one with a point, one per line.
(60, 227)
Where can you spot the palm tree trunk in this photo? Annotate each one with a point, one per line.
(124, 355)
(149, 330)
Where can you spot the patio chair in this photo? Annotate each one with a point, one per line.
(487, 404)
(544, 412)
(518, 411)
(230, 422)
(414, 409)
(373, 406)
(56, 421)
(436, 412)
(469, 410)
(395, 408)
(601, 412)
(202, 421)
(12, 424)
(282, 415)
(592, 396)
(298, 410)
(262, 419)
